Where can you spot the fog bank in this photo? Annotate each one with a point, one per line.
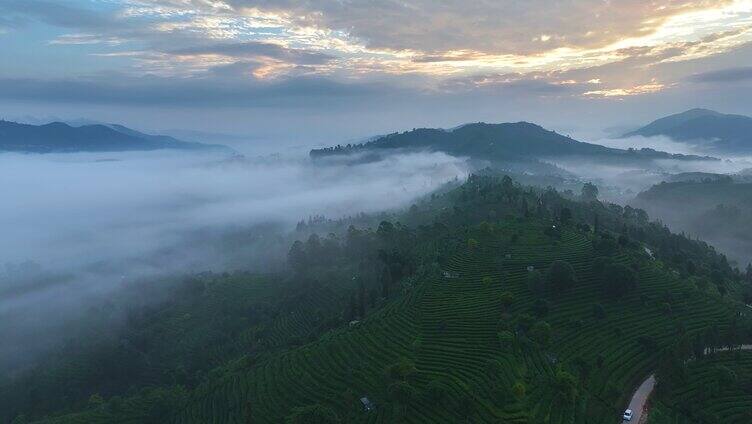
(91, 221)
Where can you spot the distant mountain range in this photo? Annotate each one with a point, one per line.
(703, 128)
(59, 137)
(500, 142)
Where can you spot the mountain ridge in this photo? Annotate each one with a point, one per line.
(59, 137)
(501, 141)
(704, 128)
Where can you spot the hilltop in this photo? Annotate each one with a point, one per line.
(705, 129)
(58, 137)
(501, 142)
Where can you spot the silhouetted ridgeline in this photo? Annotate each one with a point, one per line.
(501, 142)
(705, 129)
(61, 137)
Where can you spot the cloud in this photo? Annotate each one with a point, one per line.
(226, 89)
(491, 27)
(61, 14)
(252, 49)
(518, 84)
(650, 88)
(293, 37)
(95, 225)
(729, 75)
(144, 201)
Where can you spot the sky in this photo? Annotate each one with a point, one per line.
(324, 71)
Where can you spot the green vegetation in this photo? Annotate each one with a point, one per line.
(713, 389)
(719, 212)
(484, 303)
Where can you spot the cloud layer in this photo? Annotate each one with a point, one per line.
(314, 57)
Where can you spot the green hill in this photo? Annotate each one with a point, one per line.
(490, 302)
(719, 210)
(501, 142)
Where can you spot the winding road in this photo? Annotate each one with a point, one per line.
(638, 403)
(640, 400)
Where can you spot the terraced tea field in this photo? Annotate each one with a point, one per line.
(449, 328)
(709, 397)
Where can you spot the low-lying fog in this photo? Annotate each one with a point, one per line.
(88, 222)
(620, 184)
(93, 220)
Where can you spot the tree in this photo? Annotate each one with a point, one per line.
(536, 283)
(248, 412)
(589, 192)
(386, 281)
(583, 366)
(296, 257)
(437, 391)
(648, 343)
(724, 375)
(618, 280)
(519, 390)
(506, 299)
(362, 300)
(20, 419)
(561, 276)
(605, 246)
(507, 183)
(596, 224)
(541, 333)
(599, 312)
(540, 308)
(506, 340)
(313, 249)
(313, 414)
(385, 230)
(566, 385)
(402, 369)
(349, 400)
(352, 310)
(566, 216)
(465, 406)
(402, 393)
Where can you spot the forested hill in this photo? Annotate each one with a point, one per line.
(488, 302)
(704, 128)
(499, 142)
(720, 211)
(61, 137)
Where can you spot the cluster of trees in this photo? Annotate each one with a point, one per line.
(559, 277)
(617, 279)
(376, 260)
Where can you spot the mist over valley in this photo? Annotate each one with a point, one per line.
(326, 212)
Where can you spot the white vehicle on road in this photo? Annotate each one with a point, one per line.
(628, 415)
